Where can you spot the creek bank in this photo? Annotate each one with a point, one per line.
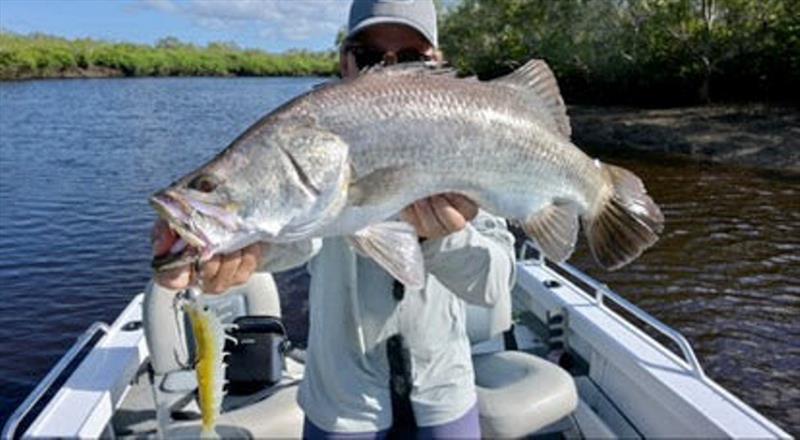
(752, 135)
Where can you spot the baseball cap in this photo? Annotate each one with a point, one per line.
(417, 14)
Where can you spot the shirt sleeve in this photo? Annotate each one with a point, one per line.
(284, 256)
(476, 263)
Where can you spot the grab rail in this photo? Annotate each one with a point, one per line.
(11, 426)
(601, 292)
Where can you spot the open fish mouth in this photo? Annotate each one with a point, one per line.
(193, 245)
(181, 254)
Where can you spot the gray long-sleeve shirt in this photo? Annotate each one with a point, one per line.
(353, 313)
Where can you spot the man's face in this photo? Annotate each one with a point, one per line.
(388, 43)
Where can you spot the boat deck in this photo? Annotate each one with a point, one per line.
(629, 385)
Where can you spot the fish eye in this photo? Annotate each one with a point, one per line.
(204, 183)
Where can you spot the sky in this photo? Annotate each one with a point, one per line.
(272, 25)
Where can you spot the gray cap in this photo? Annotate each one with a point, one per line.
(418, 14)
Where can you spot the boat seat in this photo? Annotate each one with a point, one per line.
(166, 332)
(518, 393)
(164, 325)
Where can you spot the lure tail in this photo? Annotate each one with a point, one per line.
(209, 433)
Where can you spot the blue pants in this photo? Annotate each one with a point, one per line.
(465, 427)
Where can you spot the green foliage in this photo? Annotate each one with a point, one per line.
(41, 56)
(636, 51)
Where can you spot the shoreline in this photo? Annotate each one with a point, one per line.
(73, 73)
(754, 135)
(96, 72)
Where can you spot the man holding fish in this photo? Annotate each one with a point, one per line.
(379, 356)
(330, 174)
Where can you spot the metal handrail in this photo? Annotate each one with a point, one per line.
(601, 292)
(11, 426)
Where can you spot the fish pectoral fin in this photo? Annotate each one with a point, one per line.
(395, 247)
(555, 230)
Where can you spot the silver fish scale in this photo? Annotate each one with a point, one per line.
(451, 134)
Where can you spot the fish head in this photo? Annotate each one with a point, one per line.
(271, 188)
(204, 209)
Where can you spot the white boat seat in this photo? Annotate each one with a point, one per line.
(168, 341)
(519, 393)
(164, 326)
(179, 381)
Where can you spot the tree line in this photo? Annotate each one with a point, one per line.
(42, 56)
(635, 51)
(602, 51)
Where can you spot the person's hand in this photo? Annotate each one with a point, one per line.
(218, 274)
(440, 215)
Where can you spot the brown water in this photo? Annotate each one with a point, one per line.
(79, 158)
(726, 274)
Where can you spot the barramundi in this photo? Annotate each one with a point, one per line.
(346, 157)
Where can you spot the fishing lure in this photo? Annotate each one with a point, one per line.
(209, 342)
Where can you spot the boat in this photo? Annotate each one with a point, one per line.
(579, 361)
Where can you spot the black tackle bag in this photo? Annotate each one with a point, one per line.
(256, 360)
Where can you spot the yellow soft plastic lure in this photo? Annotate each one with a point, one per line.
(209, 343)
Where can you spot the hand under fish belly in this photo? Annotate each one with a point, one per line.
(344, 158)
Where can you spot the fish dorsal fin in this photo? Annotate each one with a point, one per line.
(536, 76)
(412, 68)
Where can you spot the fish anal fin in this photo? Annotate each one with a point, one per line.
(395, 247)
(536, 76)
(555, 230)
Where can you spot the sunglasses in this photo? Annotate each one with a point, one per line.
(366, 56)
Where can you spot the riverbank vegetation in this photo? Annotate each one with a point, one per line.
(650, 52)
(42, 56)
(643, 52)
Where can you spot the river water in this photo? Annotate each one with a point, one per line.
(78, 159)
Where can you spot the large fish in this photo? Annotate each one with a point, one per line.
(345, 157)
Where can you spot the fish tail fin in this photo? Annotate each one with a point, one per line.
(625, 224)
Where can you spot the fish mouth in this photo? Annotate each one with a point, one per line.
(193, 245)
